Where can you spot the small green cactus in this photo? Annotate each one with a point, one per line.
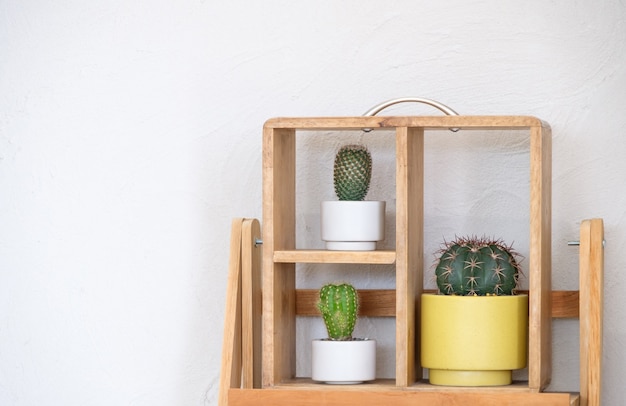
(352, 172)
(472, 266)
(339, 305)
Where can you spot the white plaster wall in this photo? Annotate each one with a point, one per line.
(130, 135)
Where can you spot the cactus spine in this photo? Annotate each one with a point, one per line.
(339, 306)
(474, 266)
(352, 172)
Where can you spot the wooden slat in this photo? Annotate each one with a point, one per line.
(328, 396)
(336, 257)
(591, 262)
(565, 304)
(251, 299)
(279, 198)
(372, 303)
(381, 303)
(540, 254)
(390, 122)
(230, 373)
(409, 250)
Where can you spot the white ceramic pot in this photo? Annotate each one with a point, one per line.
(343, 362)
(352, 225)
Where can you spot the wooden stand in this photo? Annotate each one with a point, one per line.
(282, 302)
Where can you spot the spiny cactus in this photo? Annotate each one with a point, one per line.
(339, 305)
(352, 172)
(473, 266)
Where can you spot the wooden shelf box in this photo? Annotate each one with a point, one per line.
(280, 255)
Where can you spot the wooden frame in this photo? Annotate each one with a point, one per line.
(282, 302)
(280, 255)
(591, 310)
(241, 346)
(236, 390)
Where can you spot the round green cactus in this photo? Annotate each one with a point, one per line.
(339, 305)
(352, 172)
(474, 266)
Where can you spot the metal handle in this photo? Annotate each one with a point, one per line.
(376, 109)
(379, 107)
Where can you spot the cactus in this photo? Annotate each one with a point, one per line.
(474, 266)
(339, 306)
(352, 172)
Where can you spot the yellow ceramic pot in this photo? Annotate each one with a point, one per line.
(473, 340)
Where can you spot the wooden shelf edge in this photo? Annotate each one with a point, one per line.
(391, 122)
(329, 396)
(390, 384)
(383, 257)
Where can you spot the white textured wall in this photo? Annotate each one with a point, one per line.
(130, 135)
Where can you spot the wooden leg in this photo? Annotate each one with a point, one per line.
(251, 304)
(591, 297)
(230, 374)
